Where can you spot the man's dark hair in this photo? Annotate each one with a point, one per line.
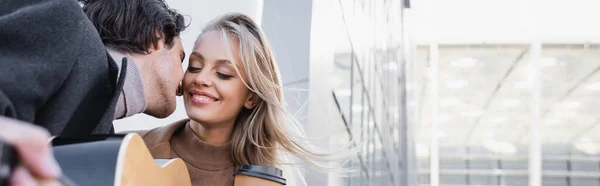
(134, 26)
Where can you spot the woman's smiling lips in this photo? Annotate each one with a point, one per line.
(202, 97)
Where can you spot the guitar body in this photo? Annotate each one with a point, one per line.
(116, 160)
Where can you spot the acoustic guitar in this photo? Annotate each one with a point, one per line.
(116, 160)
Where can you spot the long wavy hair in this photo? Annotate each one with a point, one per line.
(262, 134)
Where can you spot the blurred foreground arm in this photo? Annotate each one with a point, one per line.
(33, 149)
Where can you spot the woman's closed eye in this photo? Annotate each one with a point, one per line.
(194, 69)
(224, 76)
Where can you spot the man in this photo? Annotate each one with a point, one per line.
(146, 33)
(59, 77)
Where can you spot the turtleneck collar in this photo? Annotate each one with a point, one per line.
(200, 154)
(132, 99)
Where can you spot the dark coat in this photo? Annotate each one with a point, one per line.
(54, 69)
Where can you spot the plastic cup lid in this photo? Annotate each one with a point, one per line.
(264, 172)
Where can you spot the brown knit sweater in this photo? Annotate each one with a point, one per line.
(208, 165)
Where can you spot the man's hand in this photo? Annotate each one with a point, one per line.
(31, 144)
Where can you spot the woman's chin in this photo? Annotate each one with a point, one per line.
(197, 114)
(199, 119)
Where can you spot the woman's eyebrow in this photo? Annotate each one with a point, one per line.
(198, 55)
(223, 61)
(219, 61)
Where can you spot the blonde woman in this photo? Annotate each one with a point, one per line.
(234, 100)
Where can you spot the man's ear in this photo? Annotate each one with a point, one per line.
(251, 101)
(159, 45)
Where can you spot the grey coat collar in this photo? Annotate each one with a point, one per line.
(132, 99)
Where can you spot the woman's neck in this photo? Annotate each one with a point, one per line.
(212, 135)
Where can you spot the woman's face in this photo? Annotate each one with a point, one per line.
(214, 93)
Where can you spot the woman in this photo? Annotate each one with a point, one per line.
(234, 100)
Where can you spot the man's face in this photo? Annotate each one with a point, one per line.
(167, 73)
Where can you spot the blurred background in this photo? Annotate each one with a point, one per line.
(434, 92)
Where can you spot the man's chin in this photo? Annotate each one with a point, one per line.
(160, 113)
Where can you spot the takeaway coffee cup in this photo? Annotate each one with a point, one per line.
(250, 175)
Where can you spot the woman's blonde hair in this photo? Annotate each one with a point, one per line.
(260, 132)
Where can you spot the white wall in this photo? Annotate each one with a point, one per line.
(287, 24)
(200, 12)
(505, 21)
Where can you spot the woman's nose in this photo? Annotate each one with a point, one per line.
(204, 78)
